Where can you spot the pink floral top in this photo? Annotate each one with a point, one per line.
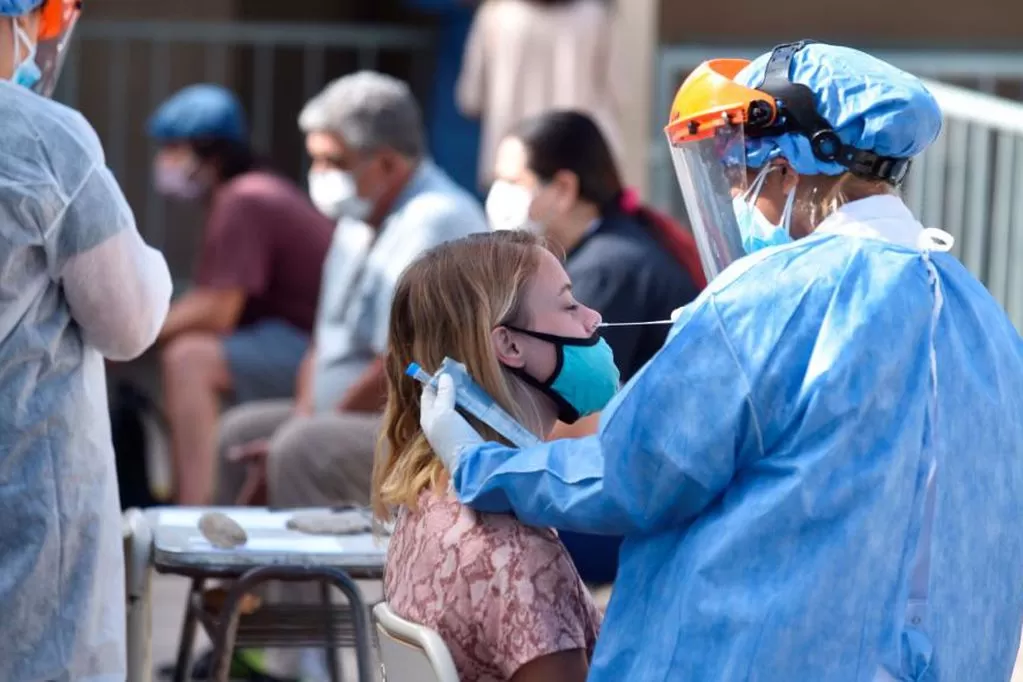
(499, 593)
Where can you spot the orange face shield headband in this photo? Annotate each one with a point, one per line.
(57, 17)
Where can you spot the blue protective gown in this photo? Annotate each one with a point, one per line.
(770, 469)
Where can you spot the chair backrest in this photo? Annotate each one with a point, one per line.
(410, 652)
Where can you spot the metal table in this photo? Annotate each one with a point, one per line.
(272, 553)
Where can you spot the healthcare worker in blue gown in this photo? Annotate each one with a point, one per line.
(77, 285)
(820, 475)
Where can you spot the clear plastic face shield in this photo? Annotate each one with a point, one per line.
(711, 118)
(707, 134)
(711, 171)
(56, 28)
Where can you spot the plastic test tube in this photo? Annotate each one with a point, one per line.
(482, 406)
(419, 374)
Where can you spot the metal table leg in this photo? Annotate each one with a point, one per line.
(183, 669)
(333, 666)
(227, 630)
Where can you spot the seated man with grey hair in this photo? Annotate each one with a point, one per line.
(370, 171)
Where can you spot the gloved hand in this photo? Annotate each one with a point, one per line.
(446, 430)
(676, 313)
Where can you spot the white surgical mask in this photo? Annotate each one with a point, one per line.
(26, 71)
(756, 230)
(333, 192)
(178, 182)
(508, 207)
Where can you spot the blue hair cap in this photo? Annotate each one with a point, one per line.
(199, 112)
(17, 8)
(871, 105)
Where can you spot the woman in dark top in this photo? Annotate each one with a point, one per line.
(555, 174)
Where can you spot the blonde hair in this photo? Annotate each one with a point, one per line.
(826, 194)
(446, 304)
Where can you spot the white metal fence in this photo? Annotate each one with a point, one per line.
(970, 182)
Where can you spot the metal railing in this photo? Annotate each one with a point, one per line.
(121, 71)
(970, 181)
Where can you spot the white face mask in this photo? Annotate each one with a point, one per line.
(334, 193)
(178, 181)
(508, 207)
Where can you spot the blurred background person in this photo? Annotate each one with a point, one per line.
(77, 284)
(556, 176)
(371, 171)
(242, 331)
(454, 138)
(525, 57)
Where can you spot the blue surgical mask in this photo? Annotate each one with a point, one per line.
(756, 230)
(585, 378)
(26, 73)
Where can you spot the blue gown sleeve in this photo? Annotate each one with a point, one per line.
(674, 441)
(557, 484)
(668, 445)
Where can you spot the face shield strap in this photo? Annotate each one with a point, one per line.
(799, 115)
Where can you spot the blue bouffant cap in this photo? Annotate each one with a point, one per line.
(871, 105)
(197, 112)
(17, 8)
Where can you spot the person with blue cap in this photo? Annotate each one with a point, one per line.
(241, 333)
(78, 285)
(819, 475)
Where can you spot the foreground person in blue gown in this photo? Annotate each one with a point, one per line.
(820, 475)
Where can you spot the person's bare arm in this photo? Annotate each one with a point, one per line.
(564, 666)
(369, 393)
(304, 382)
(587, 426)
(471, 86)
(215, 311)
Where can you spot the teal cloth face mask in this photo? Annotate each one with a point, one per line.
(756, 230)
(584, 379)
(27, 73)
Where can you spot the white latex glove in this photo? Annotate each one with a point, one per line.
(676, 313)
(446, 430)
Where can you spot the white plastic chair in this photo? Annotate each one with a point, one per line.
(410, 652)
(138, 553)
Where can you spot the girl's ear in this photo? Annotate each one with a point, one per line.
(507, 348)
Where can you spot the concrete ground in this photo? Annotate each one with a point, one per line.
(168, 610)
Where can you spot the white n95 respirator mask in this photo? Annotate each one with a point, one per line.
(334, 194)
(508, 207)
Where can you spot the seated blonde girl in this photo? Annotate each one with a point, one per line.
(505, 597)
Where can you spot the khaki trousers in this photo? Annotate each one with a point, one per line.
(316, 461)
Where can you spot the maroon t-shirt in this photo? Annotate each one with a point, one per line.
(265, 237)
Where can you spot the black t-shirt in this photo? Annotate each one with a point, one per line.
(624, 273)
